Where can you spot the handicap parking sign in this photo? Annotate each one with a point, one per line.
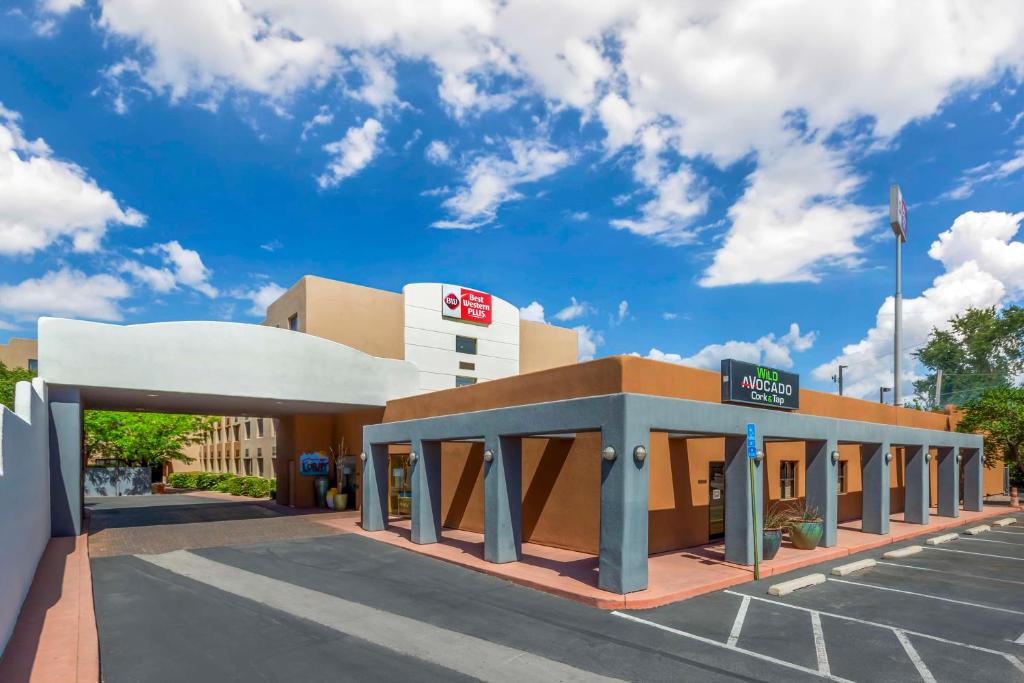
(751, 441)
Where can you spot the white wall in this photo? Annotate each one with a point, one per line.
(24, 498)
(430, 339)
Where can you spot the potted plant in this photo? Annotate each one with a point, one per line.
(775, 521)
(805, 526)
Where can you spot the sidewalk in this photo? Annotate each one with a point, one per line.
(672, 576)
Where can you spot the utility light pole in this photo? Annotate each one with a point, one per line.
(938, 388)
(882, 391)
(839, 378)
(898, 222)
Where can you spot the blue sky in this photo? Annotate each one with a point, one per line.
(723, 171)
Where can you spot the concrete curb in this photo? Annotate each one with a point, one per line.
(844, 569)
(1005, 521)
(980, 529)
(944, 538)
(902, 552)
(787, 587)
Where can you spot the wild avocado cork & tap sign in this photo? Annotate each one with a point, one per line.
(757, 385)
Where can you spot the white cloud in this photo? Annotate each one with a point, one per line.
(576, 309)
(352, 153)
(44, 200)
(983, 266)
(437, 152)
(620, 314)
(579, 216)
(323, 117)
(378, 82)
(65, 293)
(60, 6)
(492, 181)
(261, 297)
(985, 173)
(188, 267)
(534, 312)
(767, 350)
(272, 245)
(158, 279)
(668, 315)
(587, 341)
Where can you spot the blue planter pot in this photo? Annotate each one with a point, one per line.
(320, 485)
(770, 542)
(806, 535)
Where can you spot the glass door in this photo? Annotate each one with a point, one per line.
(716, 500)
(400, 485)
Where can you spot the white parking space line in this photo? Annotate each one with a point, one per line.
(926, 675)
(1008, 533)
(988, 540)
(926, 595)
(819, 644)
(972, 577)
(1017, 664)
(737, 625)
(732, 648)
(968, 552)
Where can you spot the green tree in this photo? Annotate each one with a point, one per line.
(8, 378)
(982, 349)
(998, 414)
(143, 439)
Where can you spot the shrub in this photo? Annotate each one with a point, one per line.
(254, 487)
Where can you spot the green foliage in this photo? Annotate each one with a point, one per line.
(984, 348)
(143, 439)
(8, 378)
(998, 414)
(254, 487)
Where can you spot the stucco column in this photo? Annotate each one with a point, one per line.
(874, 470)
(426, 492)
(503, 499)
(949, 482)
(65, 412)
(624, 509)
(740, 539)
(375, 488)
(821, 489)
(974, 475)
(916, 493)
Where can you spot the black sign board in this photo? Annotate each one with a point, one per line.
(757, 385)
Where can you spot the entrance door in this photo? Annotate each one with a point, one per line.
(716, 500)
(399, 485)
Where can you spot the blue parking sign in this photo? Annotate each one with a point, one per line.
(751, 441)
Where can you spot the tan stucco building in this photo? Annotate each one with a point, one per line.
(20, 353)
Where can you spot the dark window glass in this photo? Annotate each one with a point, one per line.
(465, 344)
(33, 365)
(461, 381)
(787, 479)
(842, 476)
(293, 322)
(463, 365)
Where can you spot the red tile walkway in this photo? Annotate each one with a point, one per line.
(672, 576)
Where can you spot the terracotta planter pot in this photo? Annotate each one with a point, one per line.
(770, 542)
(806, 535)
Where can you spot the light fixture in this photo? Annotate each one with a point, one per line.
(835, 457)
(362, 456)
(488, 455)
(888, 458)
(413, 458)
(959, 458)
(153, 395)
(759, 458)
(927, 457)
(608, 453)
(640, 453)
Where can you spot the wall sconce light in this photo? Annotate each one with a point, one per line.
(640, 453)
(488, 456)
(362, 456)
(413, 458)
(959, 458)
(888, 458)
(608, 453)
(760, 457)
(835, 457)
(927, 457)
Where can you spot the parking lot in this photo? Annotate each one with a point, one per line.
(951, 612)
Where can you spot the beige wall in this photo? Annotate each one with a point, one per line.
(542, 346)
(16, 353)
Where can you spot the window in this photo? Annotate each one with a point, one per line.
(465, 344)
(841, 473)
(33, 365)
(787, 479)
(248, 468)
(461, 381)
(273, 451)
(259, 427)
(293, 322)
(463, 365)
(237, 433)
(247, 452)
(259, 453)
(259, 467)
(248, 429)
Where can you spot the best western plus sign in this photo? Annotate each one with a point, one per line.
(466, 304)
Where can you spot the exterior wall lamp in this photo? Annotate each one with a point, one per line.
(927, 457)
(640, 453)
(608, 453)
(888, 458)
(488, 456)
(760, 457)
(959, 458)
(835, 457)
(362, 456)
(413, 458)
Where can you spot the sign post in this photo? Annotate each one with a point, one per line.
(898, 223)
(751, 464)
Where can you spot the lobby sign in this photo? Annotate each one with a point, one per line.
(897, 212)
(758, 385)
(313, 465)
(467, 305)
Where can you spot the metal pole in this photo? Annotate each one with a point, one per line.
(898, 326)
(753, 520)
(938, 388)
(841, 379)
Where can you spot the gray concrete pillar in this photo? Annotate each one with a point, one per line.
(65, 412)
(974, 476)
(503, 499)
(740, 539)
(821, 489)
(917, 490)
(624, 508)
(426, 492)
(375, 488)
(874, 472)
(949, 482)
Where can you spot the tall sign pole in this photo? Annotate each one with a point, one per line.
(898, 222)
